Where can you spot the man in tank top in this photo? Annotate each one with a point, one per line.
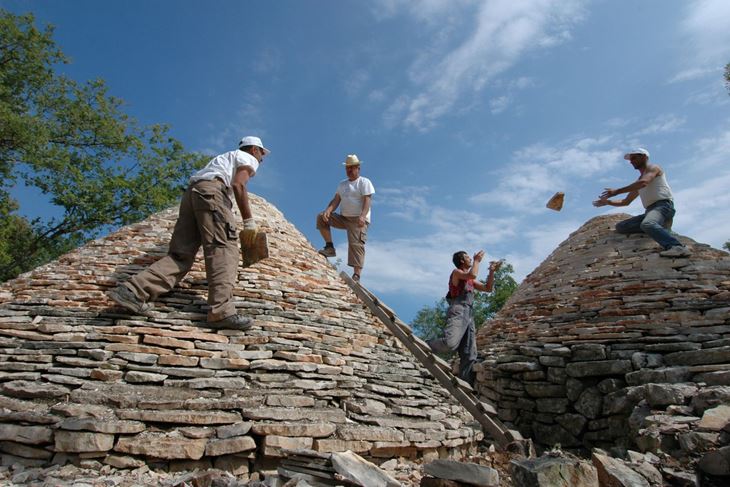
(656, 196)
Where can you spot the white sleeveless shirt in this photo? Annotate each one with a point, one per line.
(658, 189)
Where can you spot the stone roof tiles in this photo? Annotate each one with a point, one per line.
(80, 377)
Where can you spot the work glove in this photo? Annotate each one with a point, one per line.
(248, 235)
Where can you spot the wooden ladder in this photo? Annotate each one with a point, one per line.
(483, 412)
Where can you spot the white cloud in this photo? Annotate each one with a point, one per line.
(499, 104)
(706, 39)
(454, 66)
(417, 265)
(703, 208)
(538, 171)
(663, 124)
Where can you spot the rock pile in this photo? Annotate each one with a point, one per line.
(84, 382)
(606, 343)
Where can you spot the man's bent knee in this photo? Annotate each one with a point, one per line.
(321, 223)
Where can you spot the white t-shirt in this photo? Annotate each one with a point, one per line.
(224, 166)
(351, 196)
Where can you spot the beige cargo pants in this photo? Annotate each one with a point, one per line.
(356, 236)
(206, 219)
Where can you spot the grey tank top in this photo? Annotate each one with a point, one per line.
(658, 189)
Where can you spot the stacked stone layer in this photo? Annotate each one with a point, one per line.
(605, 326)
(84, 381)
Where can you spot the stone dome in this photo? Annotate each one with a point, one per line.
(85, 381)
(603, 325)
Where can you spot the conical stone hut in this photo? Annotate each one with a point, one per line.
(605, 333)
(84, 381)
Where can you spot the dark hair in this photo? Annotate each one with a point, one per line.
(246, 147)
(458, 257)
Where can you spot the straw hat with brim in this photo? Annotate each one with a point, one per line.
(351, 160)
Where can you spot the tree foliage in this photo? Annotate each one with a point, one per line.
(73, 143)
(727, 245)
(430, 321)
(727, 77)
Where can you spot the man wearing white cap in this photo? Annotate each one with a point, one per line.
(205, 218)
(354, 194)
(656, 196)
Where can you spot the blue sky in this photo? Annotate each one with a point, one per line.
(468, 115)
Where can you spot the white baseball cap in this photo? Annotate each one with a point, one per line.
(251, 140)
(638, 150)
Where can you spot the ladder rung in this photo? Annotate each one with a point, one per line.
(485, 413)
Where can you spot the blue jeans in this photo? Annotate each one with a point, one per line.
(656, 222)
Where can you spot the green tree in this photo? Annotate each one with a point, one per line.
(727, 245)
(727, 77)
(430, 321)
(73, 143)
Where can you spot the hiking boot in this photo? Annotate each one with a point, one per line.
(125, 298)
(327, 251)
(676, 251)
(233, 322)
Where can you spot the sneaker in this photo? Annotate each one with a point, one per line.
(128, 300)
(327, 251)
(233, 322)
(356, 277)
(676, 251)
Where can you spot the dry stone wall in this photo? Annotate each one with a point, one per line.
(83, 381)
(606, 343)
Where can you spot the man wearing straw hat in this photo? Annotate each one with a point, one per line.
(353, 196)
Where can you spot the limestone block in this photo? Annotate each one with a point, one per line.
(82, 441)
(289, 401)
(325, 445)
(123, 461)
(715, 419)
(662, 395)
(135, 377)
(169, 446)
(31, 390)
(470, 473)
(557, 471)
(612, 471)
(598, 368)
(101, 426)
(369, 433)
(24, 451)
(295, 428)
(217, 447)
(29, 435)
(180, 416)
(274, 445)
(236, 429)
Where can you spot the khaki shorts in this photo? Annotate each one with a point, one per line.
(356, 236)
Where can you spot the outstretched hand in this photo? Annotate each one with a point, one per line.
(495, 265)
(600, 202)
(608, 193)
(479, 256)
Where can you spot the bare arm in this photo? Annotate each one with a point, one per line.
(461, 275)
(331, 206)
(366, 202)
(632, 189)
(624, 202)
(489, 285)
(240, 179)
